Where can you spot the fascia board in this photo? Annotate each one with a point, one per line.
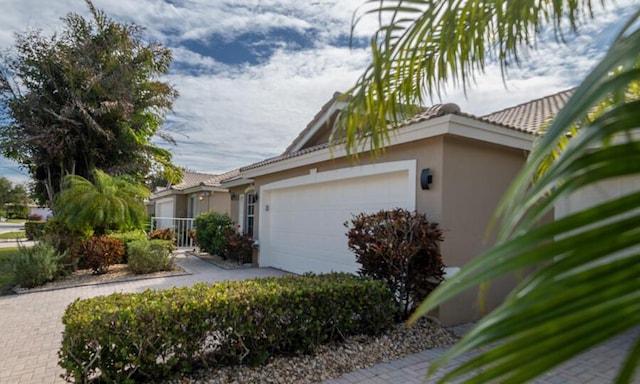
(448, 124)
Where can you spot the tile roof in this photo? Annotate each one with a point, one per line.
(429, 113)
(531, 115)
(526, 117)
(193, 179)
(313, 122)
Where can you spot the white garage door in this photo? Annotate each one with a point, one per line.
(597, 193)
(164, 213)
(302, 225)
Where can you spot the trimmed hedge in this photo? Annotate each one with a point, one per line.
(132, 337)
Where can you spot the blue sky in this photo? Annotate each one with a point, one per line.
(252, 73)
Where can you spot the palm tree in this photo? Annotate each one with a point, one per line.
(586, 288)
(107, 203)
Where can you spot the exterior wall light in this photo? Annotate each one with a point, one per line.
(426, 178)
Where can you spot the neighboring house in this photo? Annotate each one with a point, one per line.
(44, 212)
(453, 166)
(197, 193)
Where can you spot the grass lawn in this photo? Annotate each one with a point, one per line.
(6, 273)
(13, 235)
(16, 221)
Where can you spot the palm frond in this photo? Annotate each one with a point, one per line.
(423, 45)
(586, 288)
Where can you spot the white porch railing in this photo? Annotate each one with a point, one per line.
(181, 226)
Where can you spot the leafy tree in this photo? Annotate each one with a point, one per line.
(89, 97)
(13, 199)
(108, 203)
(585, 289)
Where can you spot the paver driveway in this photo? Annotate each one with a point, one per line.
(30, 327)
(30, 334)
(597, 366)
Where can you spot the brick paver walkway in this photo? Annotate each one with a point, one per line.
(30, 334)
(30, 327)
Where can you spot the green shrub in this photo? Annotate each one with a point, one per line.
(99, 252)
(401, 248)
(34, 229)
(238, 246)
(128, 238)
(137, 337)
(36, 265)
(65, 241)
(150, 256)
(210, 228)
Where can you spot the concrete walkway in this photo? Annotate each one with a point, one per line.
(30, 334)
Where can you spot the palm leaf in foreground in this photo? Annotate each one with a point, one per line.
(586, 288)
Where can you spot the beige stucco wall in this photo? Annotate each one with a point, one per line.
(221, 202)
(476, 176)
(217, 201)
(469, 178)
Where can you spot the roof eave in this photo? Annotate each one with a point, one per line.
(465, 126)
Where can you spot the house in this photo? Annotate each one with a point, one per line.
(453, 166)
(197, 193)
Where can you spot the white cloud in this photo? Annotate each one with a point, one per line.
(236, 115)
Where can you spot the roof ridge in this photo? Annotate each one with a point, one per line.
(325, 107)
(547, 97)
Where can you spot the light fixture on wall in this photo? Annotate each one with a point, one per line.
(426, 178)
(234, 196)
(203, 195)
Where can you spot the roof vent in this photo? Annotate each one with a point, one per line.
(446, 109)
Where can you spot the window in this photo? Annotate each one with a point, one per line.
(249, 218)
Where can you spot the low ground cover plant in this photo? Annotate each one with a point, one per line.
(401, 248)
(133, 337)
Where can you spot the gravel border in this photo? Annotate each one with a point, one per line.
(331, 361)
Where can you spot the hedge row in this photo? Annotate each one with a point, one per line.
(131, 337)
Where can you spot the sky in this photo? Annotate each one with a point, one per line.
(252, 73)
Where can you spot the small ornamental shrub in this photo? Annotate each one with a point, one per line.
(34, 217)
(146, 336)
(238, 246)
(401, 248)
(34, 229)
(65, 241)
(163, 234)
(210, 228)
(148, 256)
(128, 238)
(37, 265)
(192, 235)
(99, 252)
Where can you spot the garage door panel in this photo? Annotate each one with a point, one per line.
(304, 228)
